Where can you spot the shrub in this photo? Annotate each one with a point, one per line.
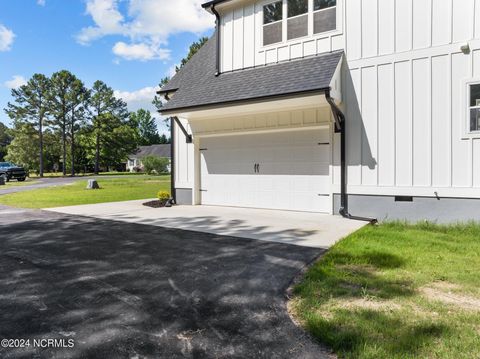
(163, 196)
(154, 164)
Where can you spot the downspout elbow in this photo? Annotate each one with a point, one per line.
(340, 128)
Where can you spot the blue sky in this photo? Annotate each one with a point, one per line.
(129, 44)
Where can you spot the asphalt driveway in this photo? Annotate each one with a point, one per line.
(124, 290)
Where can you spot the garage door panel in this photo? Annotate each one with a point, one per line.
(294, 171)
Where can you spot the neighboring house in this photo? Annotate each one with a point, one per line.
(134, 161)
(360, 107)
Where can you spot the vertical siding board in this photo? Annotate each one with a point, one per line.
(227, 40)
(238, 39)
(476, 14)
(403, 123)
(462, 21)
(386, 126)
(369, 28)
(386, 26)
(441, 22)
(354, 134)
(353, 29)
(369, 131)
(461, 168)
(421, 123)
(440, 122)
(422, 11)
(249, 36)
(403, 25)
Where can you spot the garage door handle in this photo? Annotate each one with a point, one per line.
(258, 168)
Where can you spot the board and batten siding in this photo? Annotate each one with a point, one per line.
(382, 27)
(405, 121)
(241, 39)
(404, 96)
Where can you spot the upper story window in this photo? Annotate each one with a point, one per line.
(474, 108)
(297, 25)
(324, 15)
(272, 23)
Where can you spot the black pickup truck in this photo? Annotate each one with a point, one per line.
(9, 171)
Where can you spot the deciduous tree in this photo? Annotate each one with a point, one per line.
(147, 127)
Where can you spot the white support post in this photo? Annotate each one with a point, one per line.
(196, 195)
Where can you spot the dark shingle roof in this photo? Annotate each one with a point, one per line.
(196, 84)
(154, 150)
(212, 2)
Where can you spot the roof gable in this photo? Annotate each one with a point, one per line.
(153, 150)
(196, 85)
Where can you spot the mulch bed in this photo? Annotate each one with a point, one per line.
(155, 204)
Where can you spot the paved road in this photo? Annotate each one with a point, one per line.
(40, 183)
(123, 290)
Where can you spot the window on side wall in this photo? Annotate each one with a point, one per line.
(297, 25)
(474, 108)
(272, 23)
(324, 16)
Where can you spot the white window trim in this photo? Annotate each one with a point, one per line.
(467, 133)
(274, 22)
(310, 35)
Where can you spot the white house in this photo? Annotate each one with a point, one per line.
(134, 161)
(365, 108)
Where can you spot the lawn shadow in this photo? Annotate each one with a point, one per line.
(354, 332)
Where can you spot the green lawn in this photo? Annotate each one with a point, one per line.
(112, 190)
(396, 291)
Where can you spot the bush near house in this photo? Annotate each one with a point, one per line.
(163, 196)
(396, 291)
(155, 165)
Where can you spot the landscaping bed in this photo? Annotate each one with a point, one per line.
(396, 291)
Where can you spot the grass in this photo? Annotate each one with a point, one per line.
(112, 190)
(396, 291)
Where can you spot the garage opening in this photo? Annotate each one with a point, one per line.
(279, 170)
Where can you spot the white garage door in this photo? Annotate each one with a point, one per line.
(283, 170)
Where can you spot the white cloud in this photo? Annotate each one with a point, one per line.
(140, 51)
(41, 2)
(15, 82)
(143, 99)
(147, 24)
(139, 96)
(6, 38)
(107, 18)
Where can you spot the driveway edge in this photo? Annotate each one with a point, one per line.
(326, 351)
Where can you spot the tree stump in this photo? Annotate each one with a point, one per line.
(93, 184)
(2, 181)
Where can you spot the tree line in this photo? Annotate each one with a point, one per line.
(59, 123)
